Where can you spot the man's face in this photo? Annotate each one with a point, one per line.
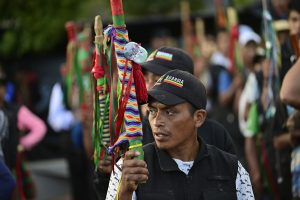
(294, 22)
(249, 51)
(280, 4)
(150, 79)
(223, 42)
(173, 127)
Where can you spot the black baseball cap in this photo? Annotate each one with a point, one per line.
(177, 86)
(165, 59)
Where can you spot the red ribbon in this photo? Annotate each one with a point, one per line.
(234, 34)
(123, 101)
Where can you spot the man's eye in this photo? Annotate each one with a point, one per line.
(170, 112)
(152, 111)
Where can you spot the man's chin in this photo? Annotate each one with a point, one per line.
(160, 145)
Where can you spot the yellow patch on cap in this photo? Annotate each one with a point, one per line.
(164, 56)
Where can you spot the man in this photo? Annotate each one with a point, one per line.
(224, 90)
(180, 165)
(288, 53)
(158, 63)
(287, 139)
(289, 93)
(20, 120)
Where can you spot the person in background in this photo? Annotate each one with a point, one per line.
(287, 138)
(219, 61)
(7, 182)
(288, 53)
(257, 128)
(227, 85)
(282, 30)
(155, 66)
(289, 94)
(279, 9)
(202, 69)
(62, 119)
(25, 131)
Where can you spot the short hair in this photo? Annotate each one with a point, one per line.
(192, 109)
(294, 5)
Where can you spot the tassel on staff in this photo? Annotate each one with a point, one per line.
(119, 87)
(101, 132)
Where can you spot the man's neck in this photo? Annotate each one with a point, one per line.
(188, 152)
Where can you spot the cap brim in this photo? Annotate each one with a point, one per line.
(155, 68)
(165, 97)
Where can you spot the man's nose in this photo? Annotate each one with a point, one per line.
(158, 120)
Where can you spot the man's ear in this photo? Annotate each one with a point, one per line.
(199, 117)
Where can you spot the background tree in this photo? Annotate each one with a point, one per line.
(34, 26)
(37, 26)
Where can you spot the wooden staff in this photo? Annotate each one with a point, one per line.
(234, 34)
(101, 134)
(200, 29)
(127, 126)
(220, 14)
(70, 56)
(186, 24)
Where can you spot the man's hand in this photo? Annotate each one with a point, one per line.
(237, 81)
(282, 141)
(291, 121)
(257, 185)
(105, 165)
(133, 173)
(20, 148)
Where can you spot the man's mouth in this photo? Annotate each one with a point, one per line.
(159, 136)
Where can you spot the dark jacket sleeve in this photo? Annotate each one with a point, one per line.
(215, 134)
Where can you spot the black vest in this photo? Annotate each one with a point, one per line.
(212, 176)
(210, 131)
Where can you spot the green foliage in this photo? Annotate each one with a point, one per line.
(155, 7)
(243, 3)
(38, 25)
(34, 26)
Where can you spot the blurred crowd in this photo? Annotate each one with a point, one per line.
(242, 74)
